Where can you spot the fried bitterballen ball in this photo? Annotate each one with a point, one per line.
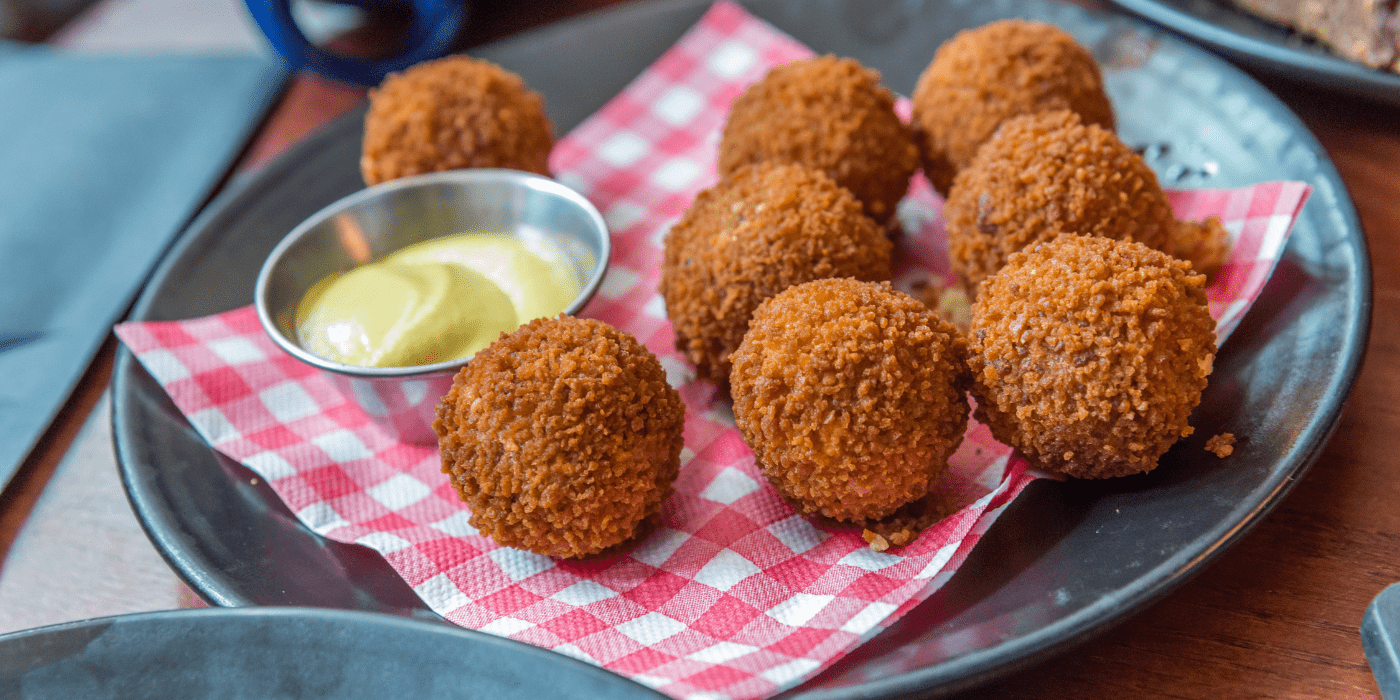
(455, 112)
(1046, 174)
(984, 76)
(851, 395)
(759, 231)
(1088, 354)
(563, 437)
(830, 114)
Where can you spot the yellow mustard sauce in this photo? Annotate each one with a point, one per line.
(439, 300)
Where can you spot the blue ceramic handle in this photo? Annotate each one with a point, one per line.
(434, 25)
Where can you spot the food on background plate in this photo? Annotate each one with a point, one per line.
(440, 300)
(1088, 354)
(1367, 31)
(455, 112)
(759, 231)
(851, 395)
(830, 114)
(984, 76)
(563, 437)
(1044, 174)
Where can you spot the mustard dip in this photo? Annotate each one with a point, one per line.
(439, 300)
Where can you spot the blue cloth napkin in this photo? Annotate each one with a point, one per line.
(102, 161)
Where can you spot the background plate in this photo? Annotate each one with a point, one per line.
(1063, 561)
(1266, 47)
(291, 653)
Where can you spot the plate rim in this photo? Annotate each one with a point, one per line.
(341, 620)
(973, 668)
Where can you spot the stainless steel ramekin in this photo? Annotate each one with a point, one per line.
(380, 220)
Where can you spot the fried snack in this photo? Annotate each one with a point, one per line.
(455, 112)
(1205, 244)
(756, 233)
(1046, 174)
(833, 115)
(984, 76)
(563, 437)
(851, 395)
(1088, 354)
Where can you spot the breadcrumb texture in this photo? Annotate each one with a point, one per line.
(904, 525)
(831, 114)
(1088, 354)
(455, 112)
(984, 76)
(759, 231)
(851, 395)
(1205, 244)
(1223, 445)
(563, 437)
(1046, 174)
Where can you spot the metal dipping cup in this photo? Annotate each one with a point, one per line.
(380, 220)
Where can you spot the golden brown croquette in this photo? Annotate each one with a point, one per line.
(851, 395)
(1046, 174)
(455, 112)
(1088, 354)
(984, 76)
(833, 115)
(562, 437)
(759, 231)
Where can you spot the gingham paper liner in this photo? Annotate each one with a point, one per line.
(735, 595)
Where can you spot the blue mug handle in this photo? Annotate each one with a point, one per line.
(434, 25)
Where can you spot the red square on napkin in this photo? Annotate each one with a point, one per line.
(735, 595)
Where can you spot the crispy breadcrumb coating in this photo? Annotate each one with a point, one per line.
(831, 114)
(563, 437)
(1046, 174)
(1088, 354)
(902, 526)
(984, 76)
(756, 233)
(1205, 244)
(1223, 445)
(455, 112)
(851, 395)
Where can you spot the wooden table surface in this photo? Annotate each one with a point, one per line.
(1275, 616)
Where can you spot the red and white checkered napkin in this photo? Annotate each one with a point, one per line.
(735, 595)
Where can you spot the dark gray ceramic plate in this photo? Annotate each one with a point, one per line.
(1267, 47)
(289, 654)
(1065, 559)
